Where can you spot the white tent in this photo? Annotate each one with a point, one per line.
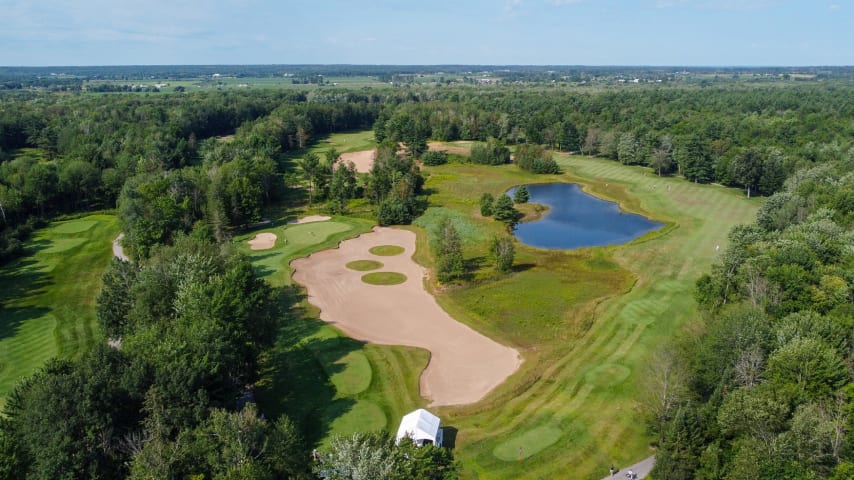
(422, 427)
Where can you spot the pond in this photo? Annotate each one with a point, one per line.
(576, 219)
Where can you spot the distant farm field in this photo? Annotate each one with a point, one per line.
(47, 298)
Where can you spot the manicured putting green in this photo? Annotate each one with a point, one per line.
(387, 250)
(364, 265)
(351, 373)
(363, 416)
(384, 278)
(74, 226)
(530, 443)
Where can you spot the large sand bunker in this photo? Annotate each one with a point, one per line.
(263, 241)
(363, 160)
(464, 365)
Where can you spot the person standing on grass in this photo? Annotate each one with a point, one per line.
(612, 470)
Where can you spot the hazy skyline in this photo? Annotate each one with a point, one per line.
(496, 32)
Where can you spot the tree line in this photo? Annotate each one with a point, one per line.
(763, 389)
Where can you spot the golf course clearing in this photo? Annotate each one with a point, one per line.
(464, 365)
(263, 241)
(588, 321)
(47, 297)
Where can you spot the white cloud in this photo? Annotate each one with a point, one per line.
(511, 7)
(834, 7)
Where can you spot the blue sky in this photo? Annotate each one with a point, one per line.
(529, 32)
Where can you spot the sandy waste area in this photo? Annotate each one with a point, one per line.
(309, 219)
(363, 160)
(464, 365)
(263, 241)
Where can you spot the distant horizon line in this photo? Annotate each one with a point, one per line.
(539, 65)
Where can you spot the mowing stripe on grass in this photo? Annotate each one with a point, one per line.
(593, 380)
(47, 298)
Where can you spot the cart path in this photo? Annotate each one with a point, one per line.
(641, 468)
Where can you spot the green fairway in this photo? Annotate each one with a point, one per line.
(364, 265)
(47, 298)
(586, 321)
(329, 383)
(345, 142)
(384, 278)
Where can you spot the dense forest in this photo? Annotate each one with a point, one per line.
(759, 388)
(763, 388)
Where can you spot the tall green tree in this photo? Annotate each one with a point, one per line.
(503, 253)
(450, 264)
(503, 211)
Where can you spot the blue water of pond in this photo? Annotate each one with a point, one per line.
(576, 219)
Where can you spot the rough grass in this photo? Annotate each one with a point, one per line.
(587, 321)
(364, 265)
(329, 383)
(387, 250)
(384, 278)
(47, 298)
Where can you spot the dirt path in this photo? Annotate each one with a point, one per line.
(363, 160)
(464, 365)
(641, 469)
(118, 251)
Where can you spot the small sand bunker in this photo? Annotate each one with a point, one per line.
(263, 241)
(363, 160)
(309, 219)
(464, 365)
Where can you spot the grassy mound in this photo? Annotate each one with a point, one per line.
(47, 298)
(364, 265)
(384, 278)
(387, 250)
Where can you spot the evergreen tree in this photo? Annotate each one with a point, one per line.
(487, 202)
(503, 252)
(521, 194)
(503, 211)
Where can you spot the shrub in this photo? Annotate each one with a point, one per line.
(434, 158)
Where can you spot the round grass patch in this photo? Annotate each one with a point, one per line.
(363, 416)
(530, 442)
(384, 278)
(351, 374)
(364, 265)
(74, 226)
(387, 250)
